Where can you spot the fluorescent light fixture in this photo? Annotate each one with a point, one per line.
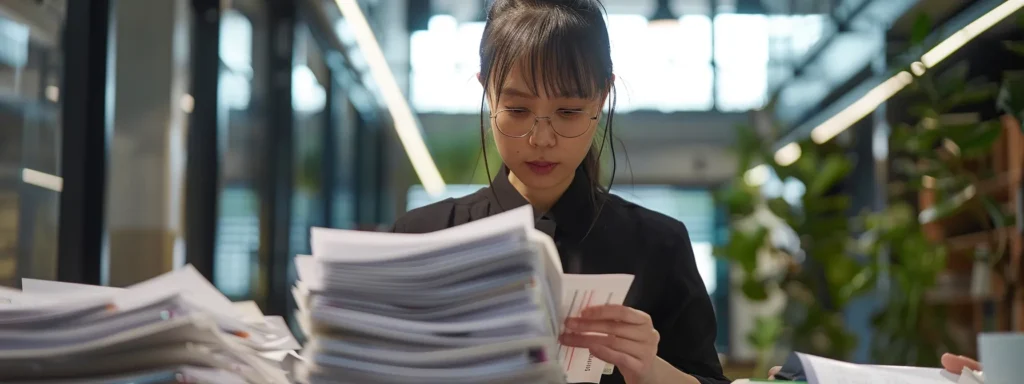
(918, 68)
(969, 32)
(870, 101)
(52, 93)
(188, 103)
(788, 154)
(757, 176)
(402, 115)
(860, 108)
(42, 179)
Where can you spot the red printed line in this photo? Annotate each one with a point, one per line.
(586, 303)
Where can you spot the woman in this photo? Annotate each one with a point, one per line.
(546, 71)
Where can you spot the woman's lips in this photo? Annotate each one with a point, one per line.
(541, 167)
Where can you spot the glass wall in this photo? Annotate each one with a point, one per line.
(242, 120)
(343, 123)
(692, 64)
(310, 79)
(30, 134)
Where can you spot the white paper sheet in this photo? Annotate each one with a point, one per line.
(249, 310)
(362, 246)
(968, 376)
(47, 287)
(821, 370)
(185, 280)
(580, 292)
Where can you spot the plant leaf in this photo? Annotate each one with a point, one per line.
(834, 169)
(972, 94)
(743, 247)
(922, 26)
(1015, 47)
(754, 290)
(737, 197)
(980, 142)
(952, 81)
(781, 208)
(1011, 95)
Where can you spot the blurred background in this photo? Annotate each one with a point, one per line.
(849, 170)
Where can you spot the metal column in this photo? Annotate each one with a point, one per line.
(202, 173)
(276, 197)
(86, 133)
(329, 159)
(368, 172)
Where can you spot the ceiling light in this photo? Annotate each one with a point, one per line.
(187, 103)
(969, 32)
(52, 93)
(757, 176)
(870, 101)
(860, 108)
(918, 68)
(401, 114)
(788, 154)
(42, 179)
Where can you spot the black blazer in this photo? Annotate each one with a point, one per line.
(625, 238)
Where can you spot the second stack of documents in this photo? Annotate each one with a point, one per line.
(471, 304)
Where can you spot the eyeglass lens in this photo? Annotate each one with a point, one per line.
(519, 123)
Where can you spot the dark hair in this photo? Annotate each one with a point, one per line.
(566, 41)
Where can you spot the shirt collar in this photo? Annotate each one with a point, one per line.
(573, 212)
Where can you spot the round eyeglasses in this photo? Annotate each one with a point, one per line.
(518, 123)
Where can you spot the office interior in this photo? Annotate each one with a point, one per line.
(850, 171)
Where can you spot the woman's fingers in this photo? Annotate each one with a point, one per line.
(614, 328)
(636, 349)
(622, 360)
(773, 371)
(956, 363)
(618, 313)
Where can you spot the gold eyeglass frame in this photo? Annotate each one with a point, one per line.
(494, 123)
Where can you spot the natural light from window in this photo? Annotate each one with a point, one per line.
(663, 67)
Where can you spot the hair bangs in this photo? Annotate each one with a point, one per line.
(555, 52)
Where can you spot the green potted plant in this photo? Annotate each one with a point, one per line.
(813, 270)
(946, 183)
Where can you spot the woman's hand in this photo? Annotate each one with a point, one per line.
(956, 364)
(625, 337)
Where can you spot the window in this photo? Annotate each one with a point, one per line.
(236, 258)
(659, 66)
(30, 151)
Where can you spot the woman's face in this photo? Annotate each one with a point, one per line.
(541, 159)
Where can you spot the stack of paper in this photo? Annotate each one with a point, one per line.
(821, 370)
(171, 328)
(482, 302)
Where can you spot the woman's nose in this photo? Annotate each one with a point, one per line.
(543, 134)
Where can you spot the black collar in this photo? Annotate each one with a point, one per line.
(573, 212)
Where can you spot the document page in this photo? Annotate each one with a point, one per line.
(827, 371)
(578, 293)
